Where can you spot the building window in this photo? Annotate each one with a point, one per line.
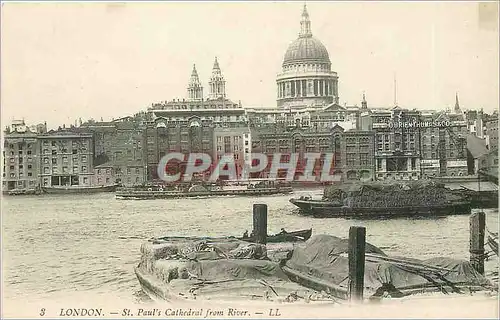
(107, 180)
(84, 158)
(75, 169)
(46, 170)
(30, 174)
(98, 171)
(54, 152)
(54, 160)
(85, 180)
(351, 159)
(65, 159)
(363, 159)
(65, 169)
(137, 171)
(84, 168)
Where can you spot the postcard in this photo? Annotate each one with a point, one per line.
(249, 160)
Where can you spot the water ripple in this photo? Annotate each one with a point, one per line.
(60, 245)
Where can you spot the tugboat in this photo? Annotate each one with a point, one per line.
(384, 200)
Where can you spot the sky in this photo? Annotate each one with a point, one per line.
(64, 61)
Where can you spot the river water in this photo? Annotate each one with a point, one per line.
(56, 246)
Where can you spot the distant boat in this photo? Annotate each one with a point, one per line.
(21, 192)
(78, 189)
(199, 191)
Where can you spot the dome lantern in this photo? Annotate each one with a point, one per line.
(305, 24)
(306, 48)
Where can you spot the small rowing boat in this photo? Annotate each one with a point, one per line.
(284, 236)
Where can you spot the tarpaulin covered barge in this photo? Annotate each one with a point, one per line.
(229, 269)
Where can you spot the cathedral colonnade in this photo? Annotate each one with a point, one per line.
(316, 87)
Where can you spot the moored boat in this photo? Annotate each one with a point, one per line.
(78, 189)
(227, 269)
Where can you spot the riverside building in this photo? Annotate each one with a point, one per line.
(213, 125)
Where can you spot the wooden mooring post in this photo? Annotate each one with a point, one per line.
(356, 255)
(260, 222)
(477, 224)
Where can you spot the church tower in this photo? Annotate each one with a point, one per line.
(195, 89)
(217, 83)
(364, 103)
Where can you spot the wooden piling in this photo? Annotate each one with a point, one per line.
(260, 222)
(477, 224)
(356, 254)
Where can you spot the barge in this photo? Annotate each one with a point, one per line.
(203, 191)
(228, 269)
(325, 209)
(395, 199)
(78, 189)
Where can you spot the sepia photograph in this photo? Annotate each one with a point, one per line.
(249, 159)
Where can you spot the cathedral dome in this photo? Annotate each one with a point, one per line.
(306, 49)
